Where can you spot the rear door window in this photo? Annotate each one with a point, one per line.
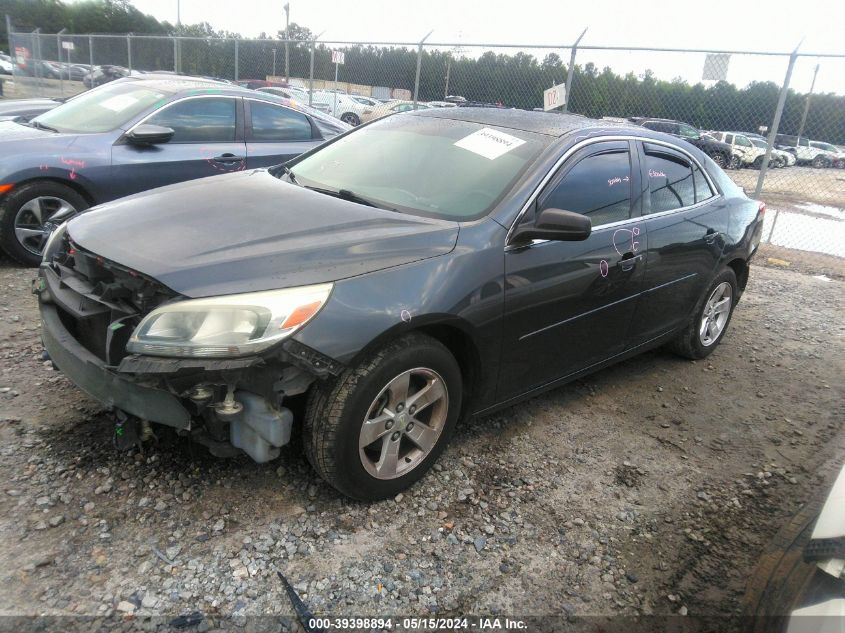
(670, 179)
(202, 120)
(272, 122)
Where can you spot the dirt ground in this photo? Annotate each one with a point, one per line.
(648, 488)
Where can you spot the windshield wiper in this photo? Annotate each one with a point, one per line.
(351, 196)
(290, 174)
(41, 126)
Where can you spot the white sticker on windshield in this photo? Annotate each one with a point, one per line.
(119, 102)
(489, 143)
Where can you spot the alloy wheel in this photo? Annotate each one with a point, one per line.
(404, 423)
(715, 315)
(32, 221)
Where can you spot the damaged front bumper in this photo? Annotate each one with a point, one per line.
(221, 403)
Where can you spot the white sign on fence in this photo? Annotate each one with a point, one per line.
(554, 97)
(68, 46)
(337, 57)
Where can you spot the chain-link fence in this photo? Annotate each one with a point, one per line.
(762, 116)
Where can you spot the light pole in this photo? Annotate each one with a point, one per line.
(287, 44)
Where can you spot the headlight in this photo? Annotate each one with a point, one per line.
(231, 325)
(54, 242)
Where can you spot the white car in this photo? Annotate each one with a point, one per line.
(804, 152)
(779, 158)
(6, 66)
(340, 105)
(367, 101)
(837, 156)
(291, 92)
(749, 154)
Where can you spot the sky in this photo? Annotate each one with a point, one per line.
(775, 25)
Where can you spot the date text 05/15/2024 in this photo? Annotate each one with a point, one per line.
(416, 624)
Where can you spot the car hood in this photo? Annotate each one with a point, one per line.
(251, 231)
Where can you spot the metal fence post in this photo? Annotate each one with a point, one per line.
(571, 71)
(807, 103)
(236, 60)
(175, 55)
(59, 55)
(311, 75)
(775, 123)
(129, 50)
(91, 56)
(419, 67)
(36, 52)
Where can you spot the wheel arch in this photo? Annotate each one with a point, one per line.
(454, 334)
(70, 184)
(741, 269)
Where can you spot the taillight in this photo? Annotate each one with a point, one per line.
(761, 209)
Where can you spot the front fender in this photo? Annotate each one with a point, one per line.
(463, 289)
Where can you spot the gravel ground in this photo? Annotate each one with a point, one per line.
(648, 488)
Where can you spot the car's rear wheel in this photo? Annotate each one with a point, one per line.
(350, 118)
(734, 163)
(710, 319)
(379, 426)
(29, 214)
(758, 162)
(720, 159)
(819, 162)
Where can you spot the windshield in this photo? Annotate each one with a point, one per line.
(426, 166)
(102, 109)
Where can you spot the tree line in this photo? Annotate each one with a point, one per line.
(513, 80)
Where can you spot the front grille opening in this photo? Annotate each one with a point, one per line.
(120, 299)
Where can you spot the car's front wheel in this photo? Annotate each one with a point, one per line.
(379, 426)
(710, 319)
(29, 214)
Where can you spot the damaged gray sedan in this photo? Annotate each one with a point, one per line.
(369, 293)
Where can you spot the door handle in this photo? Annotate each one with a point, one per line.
(227, 158)
(711, 236)
(628, 261)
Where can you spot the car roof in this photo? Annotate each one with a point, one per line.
(179, 84)
(550, 124)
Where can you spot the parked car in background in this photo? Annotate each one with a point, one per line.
(805, 154)
(429, 266)
(779, 158)
(289, 92)
(367, 101)
(135, 134)
(837, 156)
(441, 104)
(392, 107)
(721, 153)
(25, 109)
(751, 155)
(341, 106)
(100, 75)
(29, 67)
(254, 84)
(7, 67)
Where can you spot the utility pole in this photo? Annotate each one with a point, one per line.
(807, 103)
(287, 43)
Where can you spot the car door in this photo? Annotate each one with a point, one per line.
(686, 222)
(275, 134)
(208, 141)
(568, 304)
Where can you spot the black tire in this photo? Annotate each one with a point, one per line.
(337, 409)
(720, 159)
(11, 206)
(688, 343)
(819, 162)
(350, 118)
(758, 163)
(734, 163)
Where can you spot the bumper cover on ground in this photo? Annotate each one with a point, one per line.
(90, 374)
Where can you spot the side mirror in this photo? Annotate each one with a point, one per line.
(557, 225)
(148, 134)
